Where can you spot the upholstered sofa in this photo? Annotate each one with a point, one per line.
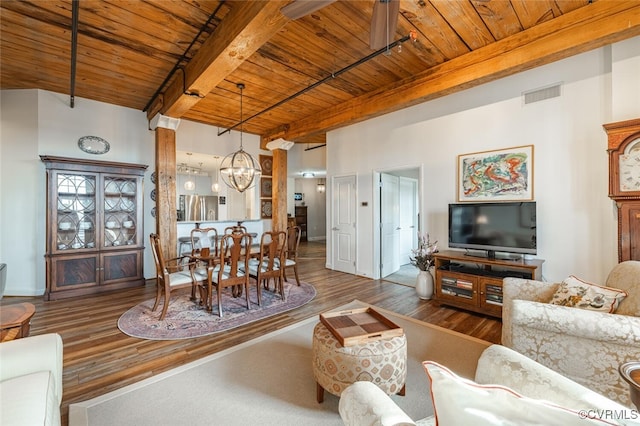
(584, 345)
(509, 389)
(31, 380)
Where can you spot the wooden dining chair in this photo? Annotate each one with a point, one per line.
(231, 271)
(205, 238)
(267, 266)
(291, 252)
(204, 241)
(184, 275)
(235, 228)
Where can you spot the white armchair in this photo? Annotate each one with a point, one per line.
(31, 380)
(365, 404)
(585, 346)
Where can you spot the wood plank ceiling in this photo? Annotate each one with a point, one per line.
(132, 53)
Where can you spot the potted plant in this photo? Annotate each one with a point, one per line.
(422, 258)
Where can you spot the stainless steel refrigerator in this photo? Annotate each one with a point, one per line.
(199, 208)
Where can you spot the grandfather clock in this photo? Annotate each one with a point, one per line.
(624, 184)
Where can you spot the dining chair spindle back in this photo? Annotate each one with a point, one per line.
(234, 258)
(291, 253)
(267, 266)
(184, 275)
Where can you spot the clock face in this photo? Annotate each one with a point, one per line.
(630, 167)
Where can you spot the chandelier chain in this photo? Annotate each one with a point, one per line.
(241, 87)
(239, 170)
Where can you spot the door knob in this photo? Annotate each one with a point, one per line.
(335, 229)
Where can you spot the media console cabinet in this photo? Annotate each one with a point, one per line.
(475, 283)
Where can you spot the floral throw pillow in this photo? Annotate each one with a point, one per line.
(574, 292)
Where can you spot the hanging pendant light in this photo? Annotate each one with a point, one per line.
(239, 170)
(190, 184)
(215, 187)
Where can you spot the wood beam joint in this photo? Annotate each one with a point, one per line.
(248, 26)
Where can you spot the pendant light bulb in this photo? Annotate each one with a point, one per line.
(189, 185)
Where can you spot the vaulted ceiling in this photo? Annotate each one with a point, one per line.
(304, 76)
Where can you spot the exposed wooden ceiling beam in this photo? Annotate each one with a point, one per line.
(599, 24)
(247, 27)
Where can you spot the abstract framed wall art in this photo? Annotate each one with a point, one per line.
(498, 175)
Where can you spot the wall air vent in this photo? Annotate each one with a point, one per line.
(541, 94)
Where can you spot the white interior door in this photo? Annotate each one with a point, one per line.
(343, 224)
(408, 218)
(390, 224)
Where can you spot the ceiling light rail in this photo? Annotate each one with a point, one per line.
(315, 147)
(413, 36)
(184, 86)
(75, 11)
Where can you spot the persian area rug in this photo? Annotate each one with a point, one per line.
(268, 381)
(186, 319)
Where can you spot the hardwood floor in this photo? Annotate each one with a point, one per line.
(98, 358)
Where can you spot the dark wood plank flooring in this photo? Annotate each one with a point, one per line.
(98, 358)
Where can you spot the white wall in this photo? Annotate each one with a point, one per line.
(577, 230)
(304, 157)
(34, 123)
(21, 191)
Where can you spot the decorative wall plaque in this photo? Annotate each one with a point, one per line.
(266, 187)
(266, 209)
(93, 145)
(266, 163)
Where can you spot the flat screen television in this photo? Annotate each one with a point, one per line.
(494, 227)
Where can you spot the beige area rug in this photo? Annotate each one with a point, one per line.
(268, 381)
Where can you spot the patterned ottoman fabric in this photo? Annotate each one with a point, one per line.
(335, 367)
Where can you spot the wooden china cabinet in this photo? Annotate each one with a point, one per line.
(94, 232)
(624, 184)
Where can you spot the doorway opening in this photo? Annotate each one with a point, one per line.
(398, 224)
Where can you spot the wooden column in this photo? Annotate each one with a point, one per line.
(166, 210)
(279, 190)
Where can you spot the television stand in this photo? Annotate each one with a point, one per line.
(492, 254)
(475, 283)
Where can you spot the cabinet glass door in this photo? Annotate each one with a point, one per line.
(120, 211)
(76, 211)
